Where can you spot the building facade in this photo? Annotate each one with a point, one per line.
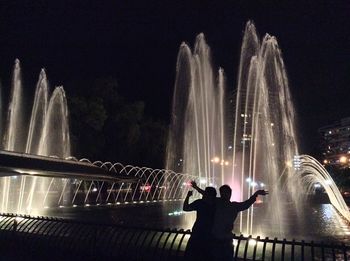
(335, 144)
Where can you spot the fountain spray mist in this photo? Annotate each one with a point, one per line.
(47, 135)
(264, 136)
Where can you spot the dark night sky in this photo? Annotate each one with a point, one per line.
(137, 42)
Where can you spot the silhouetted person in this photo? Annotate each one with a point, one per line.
(199, 244)
(225, 214)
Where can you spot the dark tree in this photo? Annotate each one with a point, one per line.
(105, 126)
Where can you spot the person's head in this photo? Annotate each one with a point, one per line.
(209, 194)
(225, 192)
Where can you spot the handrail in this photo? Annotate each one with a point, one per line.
(26, 237)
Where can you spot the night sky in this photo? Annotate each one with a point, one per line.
(137, 43)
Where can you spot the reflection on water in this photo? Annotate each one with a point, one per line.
(318, 222)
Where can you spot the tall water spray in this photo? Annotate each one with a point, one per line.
(264, 133)
(47, 135)
(264, 140)
(197, 128)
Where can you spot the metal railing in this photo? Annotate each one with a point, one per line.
(39, 238)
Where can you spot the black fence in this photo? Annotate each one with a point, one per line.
(42, 238)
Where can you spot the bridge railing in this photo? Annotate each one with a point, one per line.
(34, 238)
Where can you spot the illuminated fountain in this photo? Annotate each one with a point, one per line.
(48, 135)
(260, 152)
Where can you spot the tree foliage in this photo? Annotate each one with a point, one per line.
(105, 126)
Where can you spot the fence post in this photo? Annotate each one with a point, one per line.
(344, 252)
(94, 243)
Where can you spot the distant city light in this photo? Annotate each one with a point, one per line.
(289, 163)
(343, 159)
(215, 160)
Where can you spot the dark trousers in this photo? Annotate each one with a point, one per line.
(199, 247)
(223, 250)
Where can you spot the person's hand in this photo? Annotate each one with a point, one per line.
(193, 184)
(189, 193)
(261, 192)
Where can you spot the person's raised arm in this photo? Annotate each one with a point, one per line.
(187, 206)
(246, 204)
(194, 185)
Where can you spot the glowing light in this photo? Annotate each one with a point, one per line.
(289, 164)
(262, 185)
(74, 206)
(61, 206)
(343, 159)
(317, 185)
(215, 160)
(325, 161)
(226, 163)
(248, 180)
(87, 205)
(253, 184)
(94, 189)
(118, 203)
